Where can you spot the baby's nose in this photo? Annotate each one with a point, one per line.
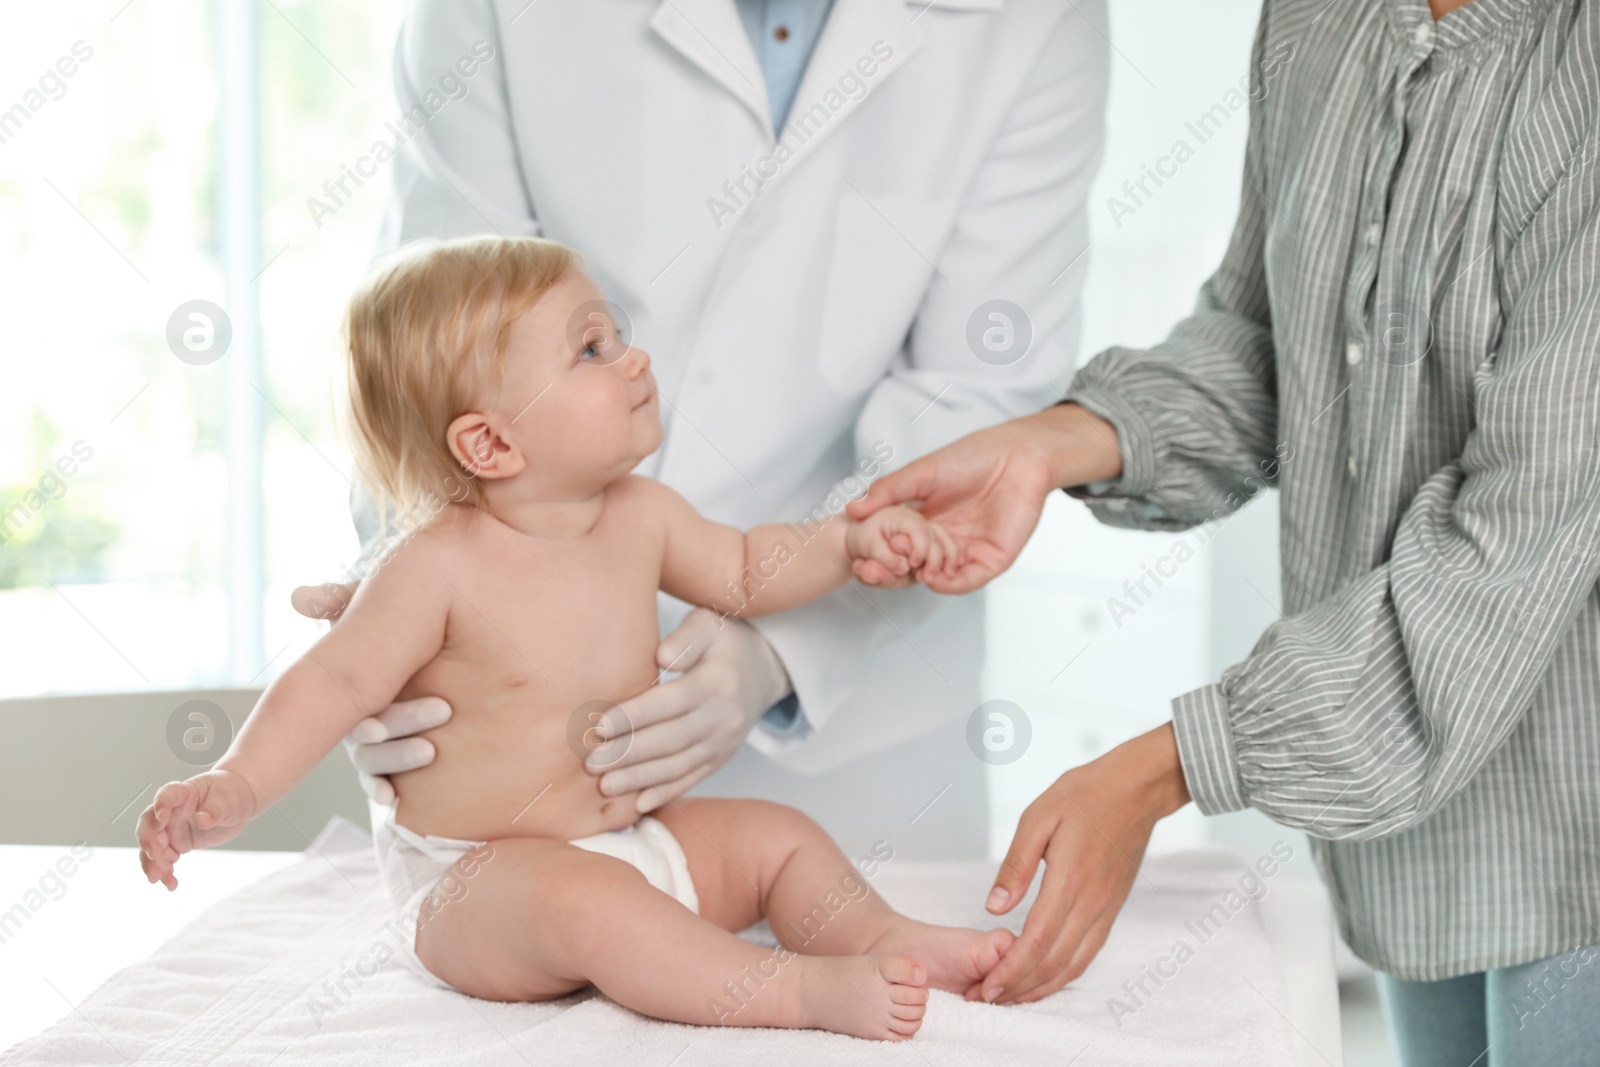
(637, 361)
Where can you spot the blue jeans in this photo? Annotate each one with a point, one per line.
(1545, 1013)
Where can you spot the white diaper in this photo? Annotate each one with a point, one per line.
(413, 865)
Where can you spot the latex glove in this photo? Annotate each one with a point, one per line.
(383, 744)
(674, 734)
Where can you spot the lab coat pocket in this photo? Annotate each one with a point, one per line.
(885, 248)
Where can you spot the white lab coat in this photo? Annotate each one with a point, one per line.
(947, 153)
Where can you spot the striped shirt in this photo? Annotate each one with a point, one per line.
(1404, 338)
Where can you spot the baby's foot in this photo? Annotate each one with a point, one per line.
(878, 997)
(957, 957)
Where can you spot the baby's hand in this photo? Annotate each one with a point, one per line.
(206, 810)
(896, 543)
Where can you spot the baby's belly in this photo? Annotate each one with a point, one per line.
(505, 769)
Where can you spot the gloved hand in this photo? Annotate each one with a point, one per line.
(673, 735)
(384, 744)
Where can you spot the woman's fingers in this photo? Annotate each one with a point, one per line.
(1092, 941)
(976, 567)
(1051, 971)
(1039, 934)
(1097, 819)
(1028, 846)
(912, 482)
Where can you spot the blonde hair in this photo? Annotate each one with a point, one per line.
(424, 340)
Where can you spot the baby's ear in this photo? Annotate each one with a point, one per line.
(481, 449)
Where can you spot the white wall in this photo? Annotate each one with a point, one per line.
(1172, 60)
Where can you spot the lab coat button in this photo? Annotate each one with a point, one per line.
(1353, 353)
(1351, 464)
(1374, 234)
(1423, 32)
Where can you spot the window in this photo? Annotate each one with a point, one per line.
(127, 192)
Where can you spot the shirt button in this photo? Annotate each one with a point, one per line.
(1423, 32)
(782, 33)
(1353, 354)
(1374, 234)
(1350, 464)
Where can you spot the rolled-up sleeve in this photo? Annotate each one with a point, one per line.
(1196, 416)
(1364, 714)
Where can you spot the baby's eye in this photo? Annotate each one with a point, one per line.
(595, 342)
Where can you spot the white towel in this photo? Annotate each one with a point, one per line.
(292, 972)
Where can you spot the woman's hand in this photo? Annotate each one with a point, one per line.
(1090, 828)
(673, 735)
(384, 744)
(988, 489)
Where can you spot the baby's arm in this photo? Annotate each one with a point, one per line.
(775, 567)
(394, 626)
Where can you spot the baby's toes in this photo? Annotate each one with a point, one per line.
(907, 1012)
(908, 978)
(989, 950)
(909, 996)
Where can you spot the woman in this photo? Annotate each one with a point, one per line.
(1403, 338)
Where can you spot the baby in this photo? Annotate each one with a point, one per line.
(491, 368)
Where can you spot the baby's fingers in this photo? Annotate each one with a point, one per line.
(173, 811)
(156, 856)
(911, 543)
(871, 572)
(882, 552)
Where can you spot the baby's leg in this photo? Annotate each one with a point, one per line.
(541, 919)
(752, 859)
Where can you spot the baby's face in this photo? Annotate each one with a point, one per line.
(581, 404)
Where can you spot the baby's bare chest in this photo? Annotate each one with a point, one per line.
(564, 623)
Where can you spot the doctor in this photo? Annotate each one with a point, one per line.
(850, 233)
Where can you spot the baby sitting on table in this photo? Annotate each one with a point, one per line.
(492, 365)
